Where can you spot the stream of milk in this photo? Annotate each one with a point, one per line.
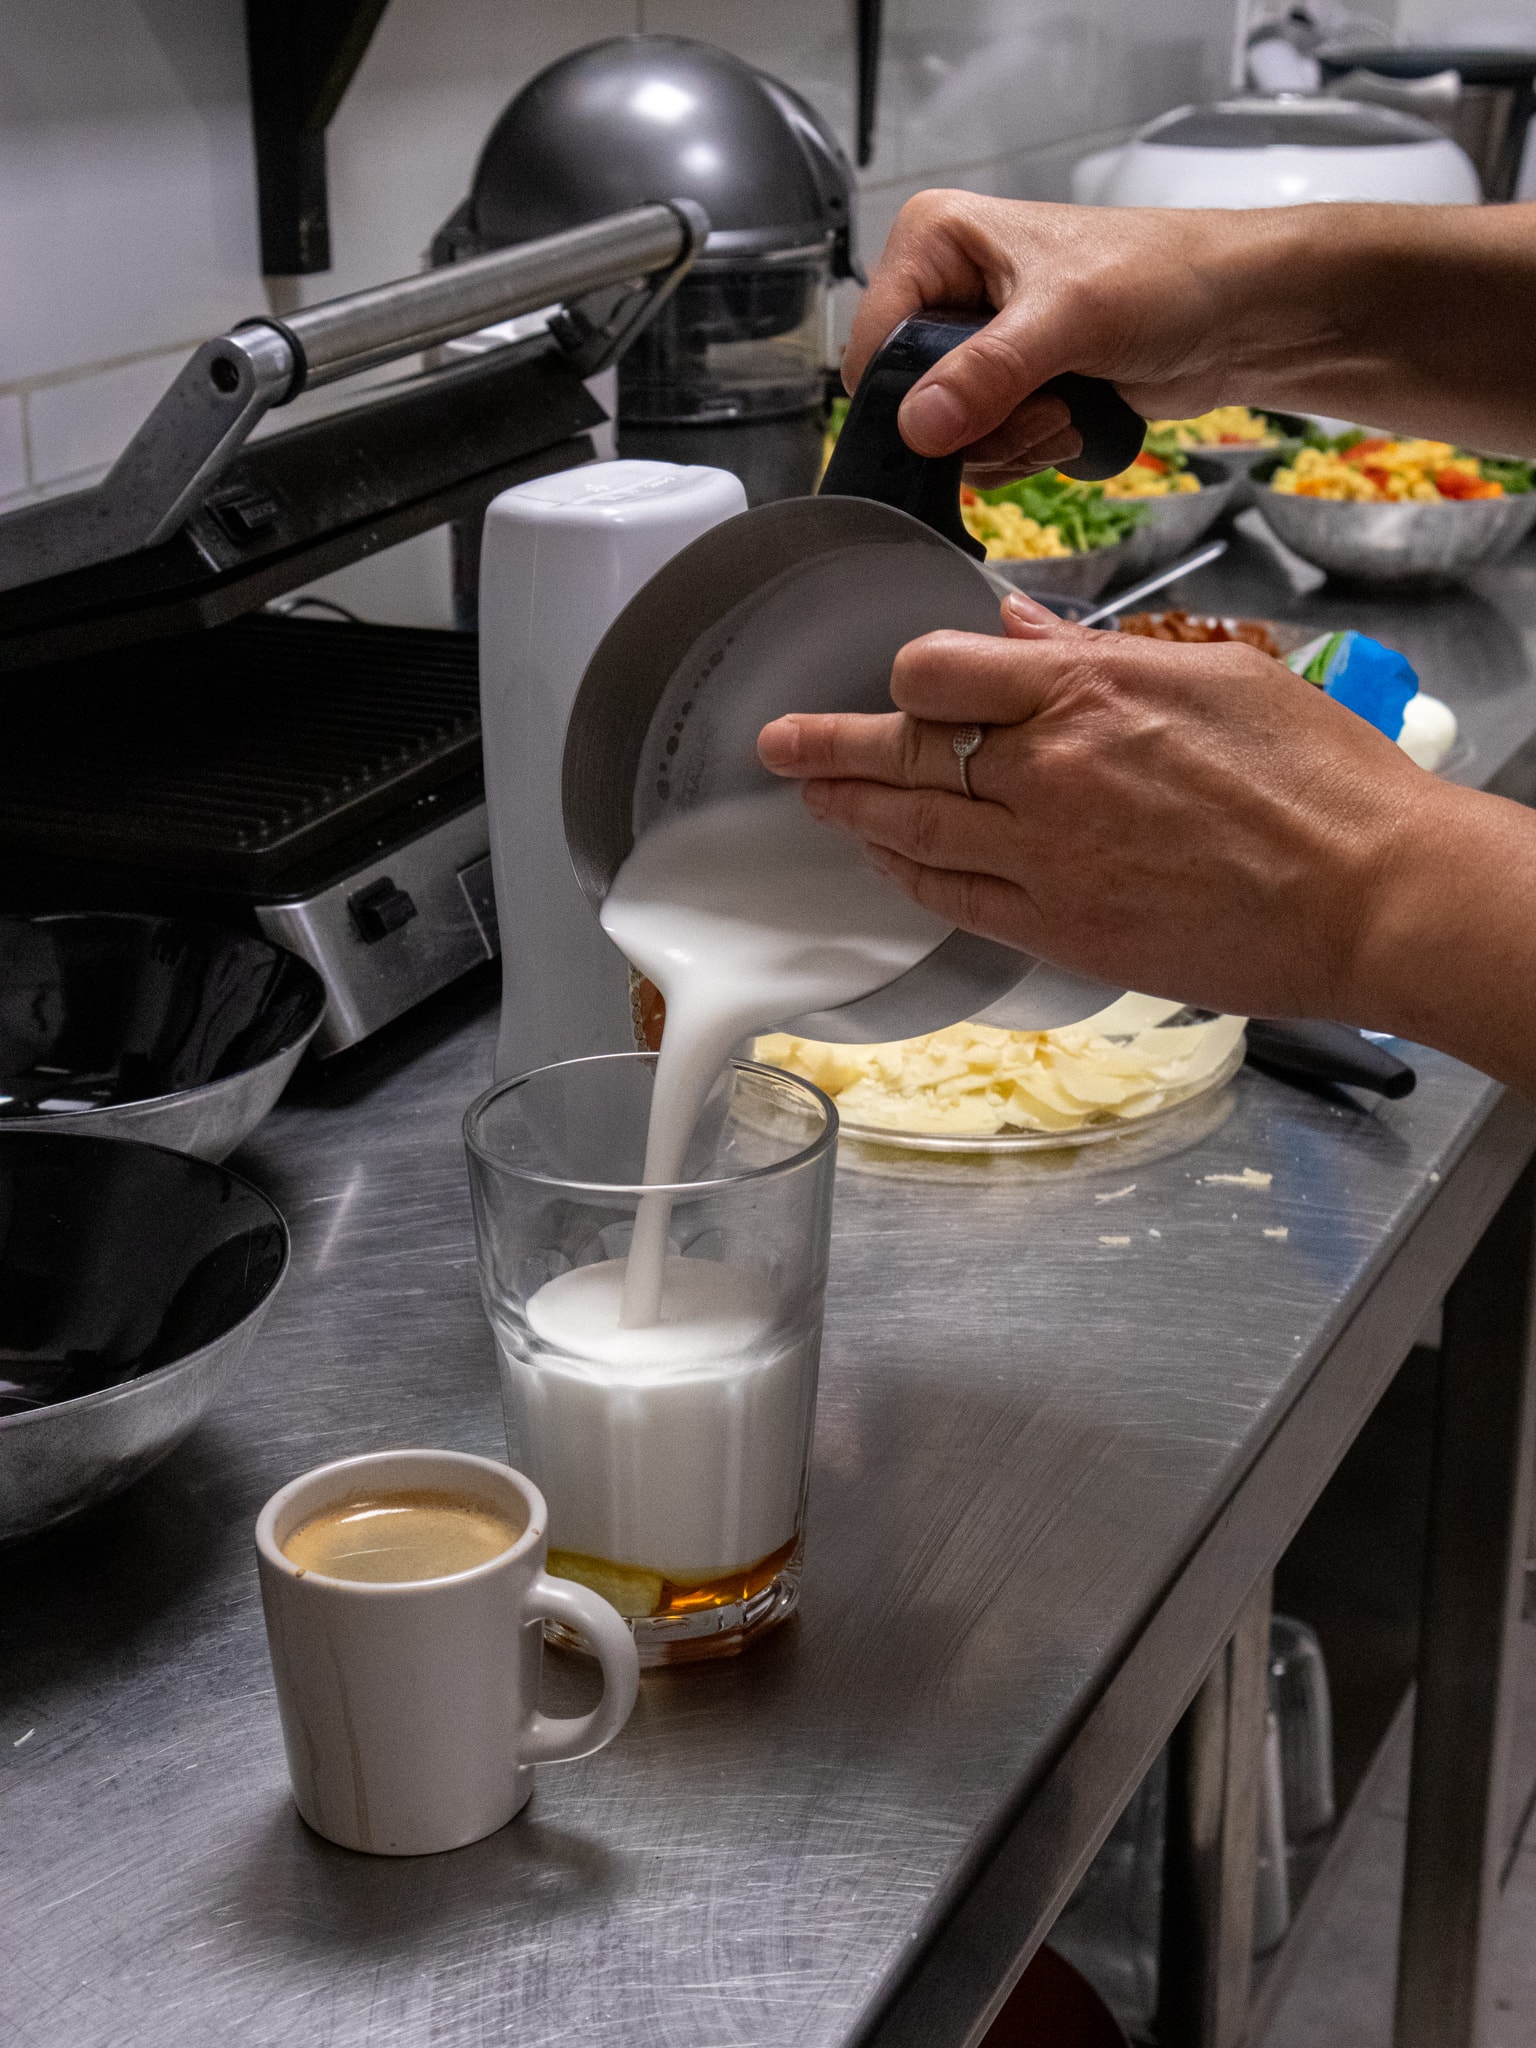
(667, 1420)
(743, 913)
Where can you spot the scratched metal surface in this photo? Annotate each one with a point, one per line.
(1022, 1427)
(1033, 1399)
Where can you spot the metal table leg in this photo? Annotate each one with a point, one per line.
(1479, 1516)
(1216, 1762)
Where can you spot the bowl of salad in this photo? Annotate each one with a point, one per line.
(1050, 534)
(1184, 495)
(1374, 508)
(1237, 437)
(1056, 537)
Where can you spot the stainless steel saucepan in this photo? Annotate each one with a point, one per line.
(802, 606)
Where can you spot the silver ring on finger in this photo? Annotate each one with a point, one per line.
(965, 741)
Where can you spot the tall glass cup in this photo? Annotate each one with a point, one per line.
(673, 1457)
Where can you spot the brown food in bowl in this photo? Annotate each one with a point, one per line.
(1182, 626)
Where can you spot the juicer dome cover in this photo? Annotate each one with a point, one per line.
(645, 117)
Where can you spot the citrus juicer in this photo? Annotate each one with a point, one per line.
(802, 606)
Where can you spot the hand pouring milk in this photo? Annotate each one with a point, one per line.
(747, 913)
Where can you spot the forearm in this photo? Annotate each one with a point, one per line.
(1421, 318)
(1447, 956)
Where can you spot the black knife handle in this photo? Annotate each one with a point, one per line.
(871, 460)
(1328, 1052)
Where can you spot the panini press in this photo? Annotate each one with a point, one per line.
(172, 745)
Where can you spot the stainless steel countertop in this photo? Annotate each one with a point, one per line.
(1027, 1431)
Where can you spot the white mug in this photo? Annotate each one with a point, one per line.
(410, 1709)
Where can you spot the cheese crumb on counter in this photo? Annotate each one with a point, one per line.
(1250, 1177)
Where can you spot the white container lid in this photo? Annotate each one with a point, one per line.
(1286, 151)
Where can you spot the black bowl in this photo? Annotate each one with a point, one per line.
(150, 1027)
(131, 1282)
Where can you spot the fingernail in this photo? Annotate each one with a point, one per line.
(778, 745)
(878, 858)
(933, 420)
(817, 799)
(1023, 619)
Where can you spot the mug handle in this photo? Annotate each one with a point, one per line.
(558, 1738)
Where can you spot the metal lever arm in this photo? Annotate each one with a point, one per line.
(367, 328)
(225, 388)
(164, 472)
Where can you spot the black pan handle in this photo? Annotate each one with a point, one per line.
(1328, 1052)
(871, 460)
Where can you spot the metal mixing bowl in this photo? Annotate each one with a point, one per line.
(1239, 459)
(1083, 577)
(179, 1033)
(1430, 545)
(1178, 521)
(1173, 526)
(132, 1281)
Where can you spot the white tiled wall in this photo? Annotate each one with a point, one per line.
(77, 425)
(127, 194)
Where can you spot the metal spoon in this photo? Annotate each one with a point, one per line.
(1005, 587)
(1137, 591)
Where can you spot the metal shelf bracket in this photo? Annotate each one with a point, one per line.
(302, 55)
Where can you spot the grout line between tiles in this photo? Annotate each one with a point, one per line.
(23, 399)
(77, 373)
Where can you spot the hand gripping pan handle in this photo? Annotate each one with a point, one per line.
(871, 460)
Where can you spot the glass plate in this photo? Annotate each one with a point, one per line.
(997, 1143)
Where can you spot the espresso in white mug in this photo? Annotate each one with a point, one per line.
(398, 1537)
(405, 1596)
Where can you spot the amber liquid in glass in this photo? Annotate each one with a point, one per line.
(649, 1596)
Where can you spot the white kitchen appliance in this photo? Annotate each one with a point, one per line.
(1281, 151)
(561, 558)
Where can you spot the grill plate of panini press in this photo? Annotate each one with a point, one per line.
(321, 779)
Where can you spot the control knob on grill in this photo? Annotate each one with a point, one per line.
(380, 909)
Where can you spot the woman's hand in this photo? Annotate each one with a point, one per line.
(1131, 296)
(1190, 821)
(1420, 317)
